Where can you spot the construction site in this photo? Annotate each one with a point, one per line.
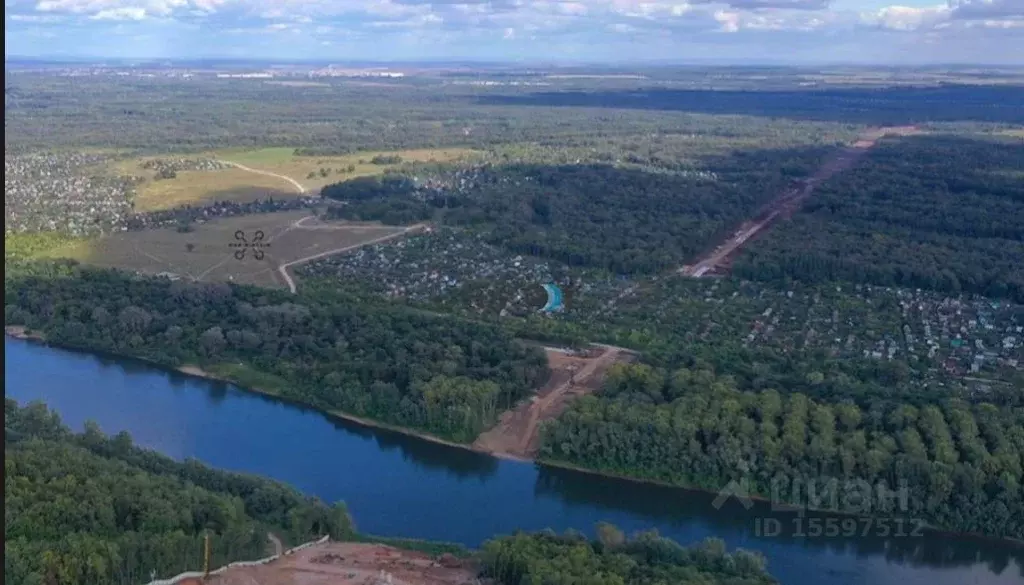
(349, 563)
(573, 374)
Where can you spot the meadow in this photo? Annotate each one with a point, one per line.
(208, 252)
(265, 172)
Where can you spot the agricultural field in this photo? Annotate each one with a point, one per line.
(163, 183)
(313, 172)
(241, 175)
(211, 251)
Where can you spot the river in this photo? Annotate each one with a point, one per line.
(396, 485)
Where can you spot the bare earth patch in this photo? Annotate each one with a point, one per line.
(206, 253)
(346, 563)
(517, 433)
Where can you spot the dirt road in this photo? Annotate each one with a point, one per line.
(278, 546)
(283, 268)
(298, 186)
(346, 563)
(789, 201)
(517, 433)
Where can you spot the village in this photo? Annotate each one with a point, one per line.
(58, 192)
(77, 195)
(449, 268)
(976, 340)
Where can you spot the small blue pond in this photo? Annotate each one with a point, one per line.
(554, 298)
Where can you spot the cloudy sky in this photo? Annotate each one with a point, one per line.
(741, 31)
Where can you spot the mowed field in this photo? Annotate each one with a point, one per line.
(284, 162)
(237, 184)
(207, 253)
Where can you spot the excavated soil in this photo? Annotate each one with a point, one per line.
(346, 563)
(517, 433)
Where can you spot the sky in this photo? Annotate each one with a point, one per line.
(750, 32)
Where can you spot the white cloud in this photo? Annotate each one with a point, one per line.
(577, 22)
(907, 18)
(125, 13)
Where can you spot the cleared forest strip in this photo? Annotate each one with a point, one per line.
(789, 201)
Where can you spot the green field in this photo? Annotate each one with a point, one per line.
(235, 184)
(283, 161)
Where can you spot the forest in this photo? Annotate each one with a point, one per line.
(169, 115)
(881, 106)
(943, 213)
(396, 365)
(961, 464)
(88, 509)
(624, 220)
(547, 558)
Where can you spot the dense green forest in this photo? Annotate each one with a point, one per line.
(444, 375)
(624, 220)
(882, 106)
(339, 117)
(43, 110)
(612, 559)
(87, 509)
(943, 213)
(962, 464)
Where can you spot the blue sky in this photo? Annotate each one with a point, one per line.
(740, 31)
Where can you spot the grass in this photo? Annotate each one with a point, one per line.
(249, 377)
(198, 187)
(42, 245)
(205, 254)
(283, 161)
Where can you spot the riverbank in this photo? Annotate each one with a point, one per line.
(195, 371)
(198, 372)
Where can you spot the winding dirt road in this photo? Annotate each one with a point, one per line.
(278, 546)
(298, 186)
(300, 224)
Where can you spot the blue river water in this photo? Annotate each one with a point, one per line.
(396, 485)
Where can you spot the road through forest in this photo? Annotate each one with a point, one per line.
(789, 201)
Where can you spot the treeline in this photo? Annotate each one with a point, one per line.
(389, 198)
(943, 213)
(961, 465)
(612, 559)
(333, 352)
(336, 119)
(882, 106)
(87, 509)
